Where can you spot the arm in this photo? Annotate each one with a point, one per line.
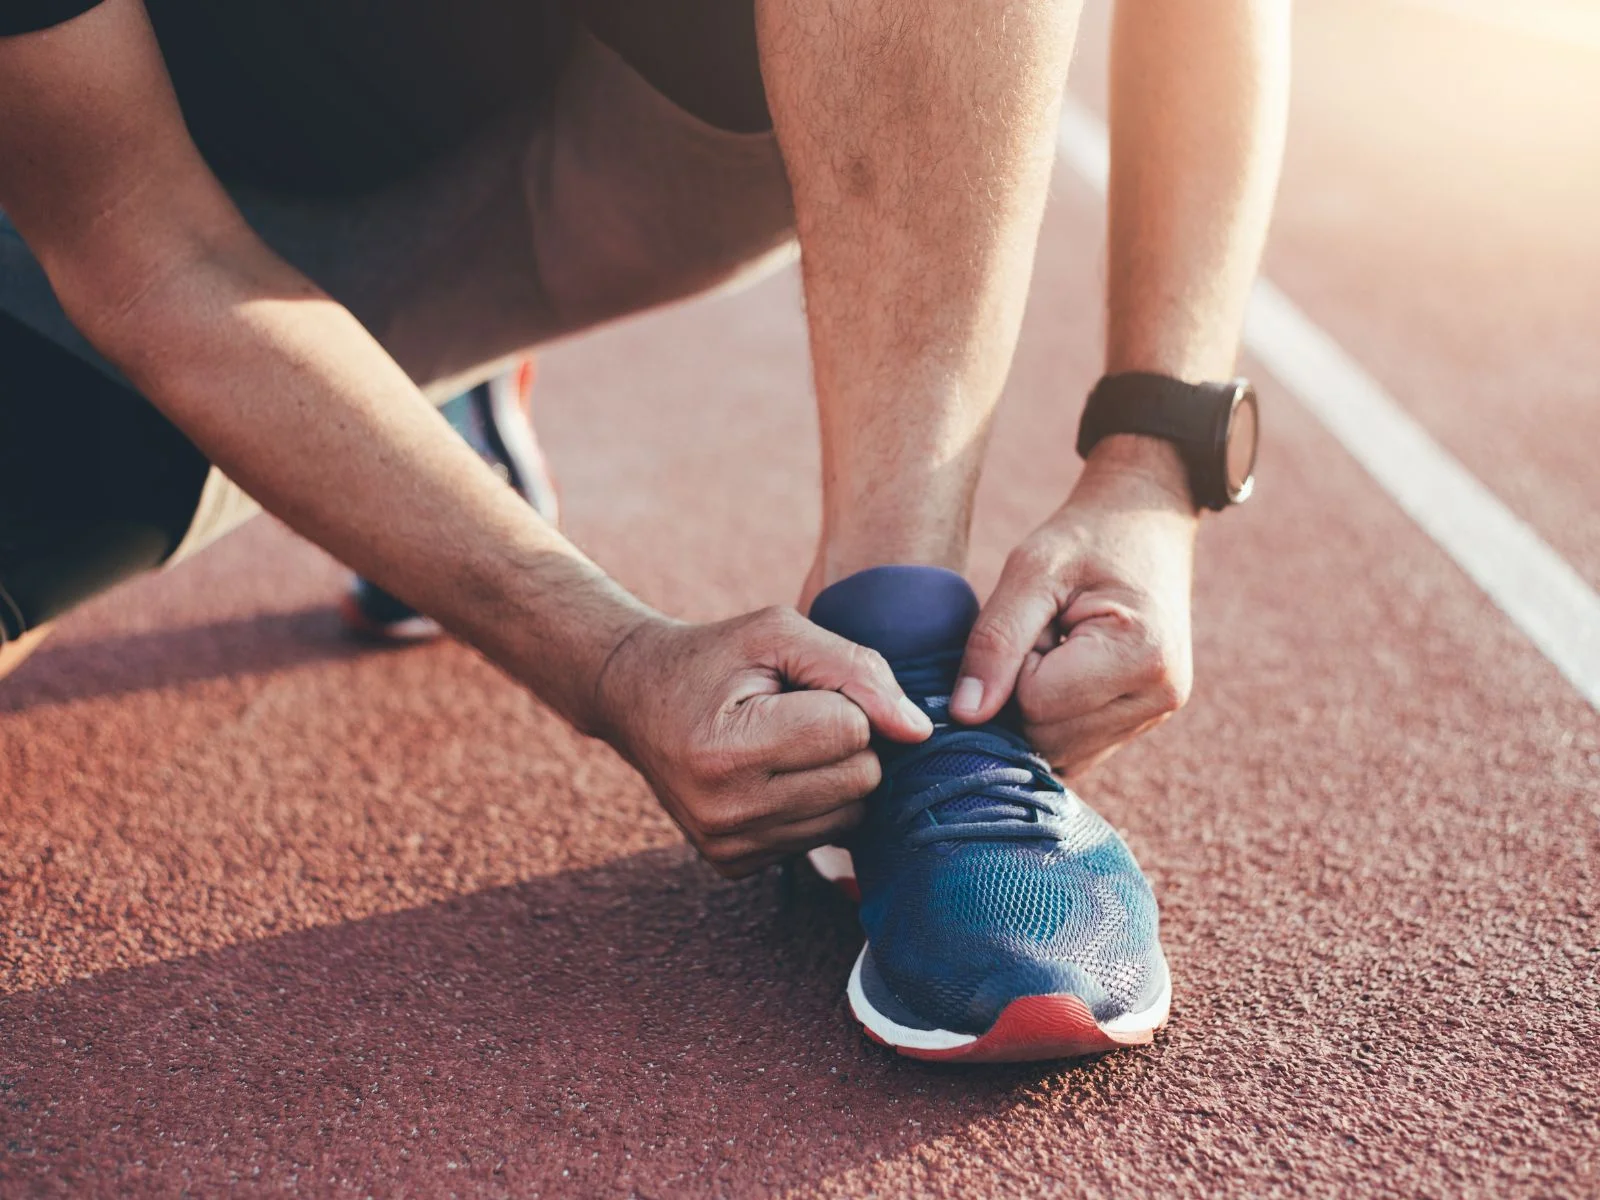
(1198, 105)
(284, 390)
(273, 381)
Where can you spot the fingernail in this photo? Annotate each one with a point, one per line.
(914, 716)
(968, 696)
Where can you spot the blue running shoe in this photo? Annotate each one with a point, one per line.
(1005, 920)
(495, 419)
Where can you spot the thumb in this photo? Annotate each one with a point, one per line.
(815, 658)
(1006, 631)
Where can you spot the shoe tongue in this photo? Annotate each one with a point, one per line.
(901, 612)
(911, 613)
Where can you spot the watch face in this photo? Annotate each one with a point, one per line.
(1243, 434)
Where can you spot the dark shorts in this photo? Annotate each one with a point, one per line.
(582, 194)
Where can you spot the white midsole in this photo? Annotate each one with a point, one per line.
(897, 1034)
(1148, 1021)
(832, 863)
(413, 629)
(893, 1032)
(516, 435)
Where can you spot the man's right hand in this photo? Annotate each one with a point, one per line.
(753, 732)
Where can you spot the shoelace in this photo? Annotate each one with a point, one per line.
(1021, 780)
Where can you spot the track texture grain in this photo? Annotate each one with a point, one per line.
(280, 916)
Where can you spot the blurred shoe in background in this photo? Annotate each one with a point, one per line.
(495, 419)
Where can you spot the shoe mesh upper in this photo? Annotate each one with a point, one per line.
(960, 928)
(983, 879)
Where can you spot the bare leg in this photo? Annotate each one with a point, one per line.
(918, 139)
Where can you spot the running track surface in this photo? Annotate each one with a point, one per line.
(283, 916)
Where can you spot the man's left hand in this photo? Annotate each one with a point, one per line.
(1089, 625)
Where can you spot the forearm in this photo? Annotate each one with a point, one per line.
(1088, 629)
(1199, 101)
(282, 388)
(274, 382)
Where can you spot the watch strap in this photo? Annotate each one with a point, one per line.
(1153, 405)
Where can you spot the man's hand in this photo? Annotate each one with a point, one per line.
(753, 732)
(1089, 626)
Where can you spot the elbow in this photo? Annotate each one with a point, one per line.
(122, 299)
(130, 278)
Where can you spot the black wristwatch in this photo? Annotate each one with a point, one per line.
(1215, 426)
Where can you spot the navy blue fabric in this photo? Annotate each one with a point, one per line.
(901, 612)
(331, 97)
(95, 484)
(919, 618)
(983, 878)
(26, 16)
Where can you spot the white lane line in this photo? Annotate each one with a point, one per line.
(1569, 22)
(1541, 594)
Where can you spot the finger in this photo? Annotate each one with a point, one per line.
(1093, 667)
(812, 657)
(809, 793)
(798, 796)
(799, 731)
(1081, 767)
(763, 802)
(1008, 627)
(740, 854)
(1074, 746)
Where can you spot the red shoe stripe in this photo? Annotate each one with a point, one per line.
(1034, 1028)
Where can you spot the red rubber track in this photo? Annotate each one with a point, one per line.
(283, 915)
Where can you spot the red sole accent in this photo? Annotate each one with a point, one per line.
(1034, 1028)
(1029, 1029)
(526, 373)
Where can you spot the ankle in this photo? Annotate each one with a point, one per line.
(840, 557)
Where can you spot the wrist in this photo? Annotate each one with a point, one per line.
(553, 622)
(1148, 468)
(610, 692)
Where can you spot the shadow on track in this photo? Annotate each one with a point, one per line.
(138, 662)
(636, 1028)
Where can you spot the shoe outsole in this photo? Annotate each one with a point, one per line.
(403, 632)
(1028, 1029)
(510, 402)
